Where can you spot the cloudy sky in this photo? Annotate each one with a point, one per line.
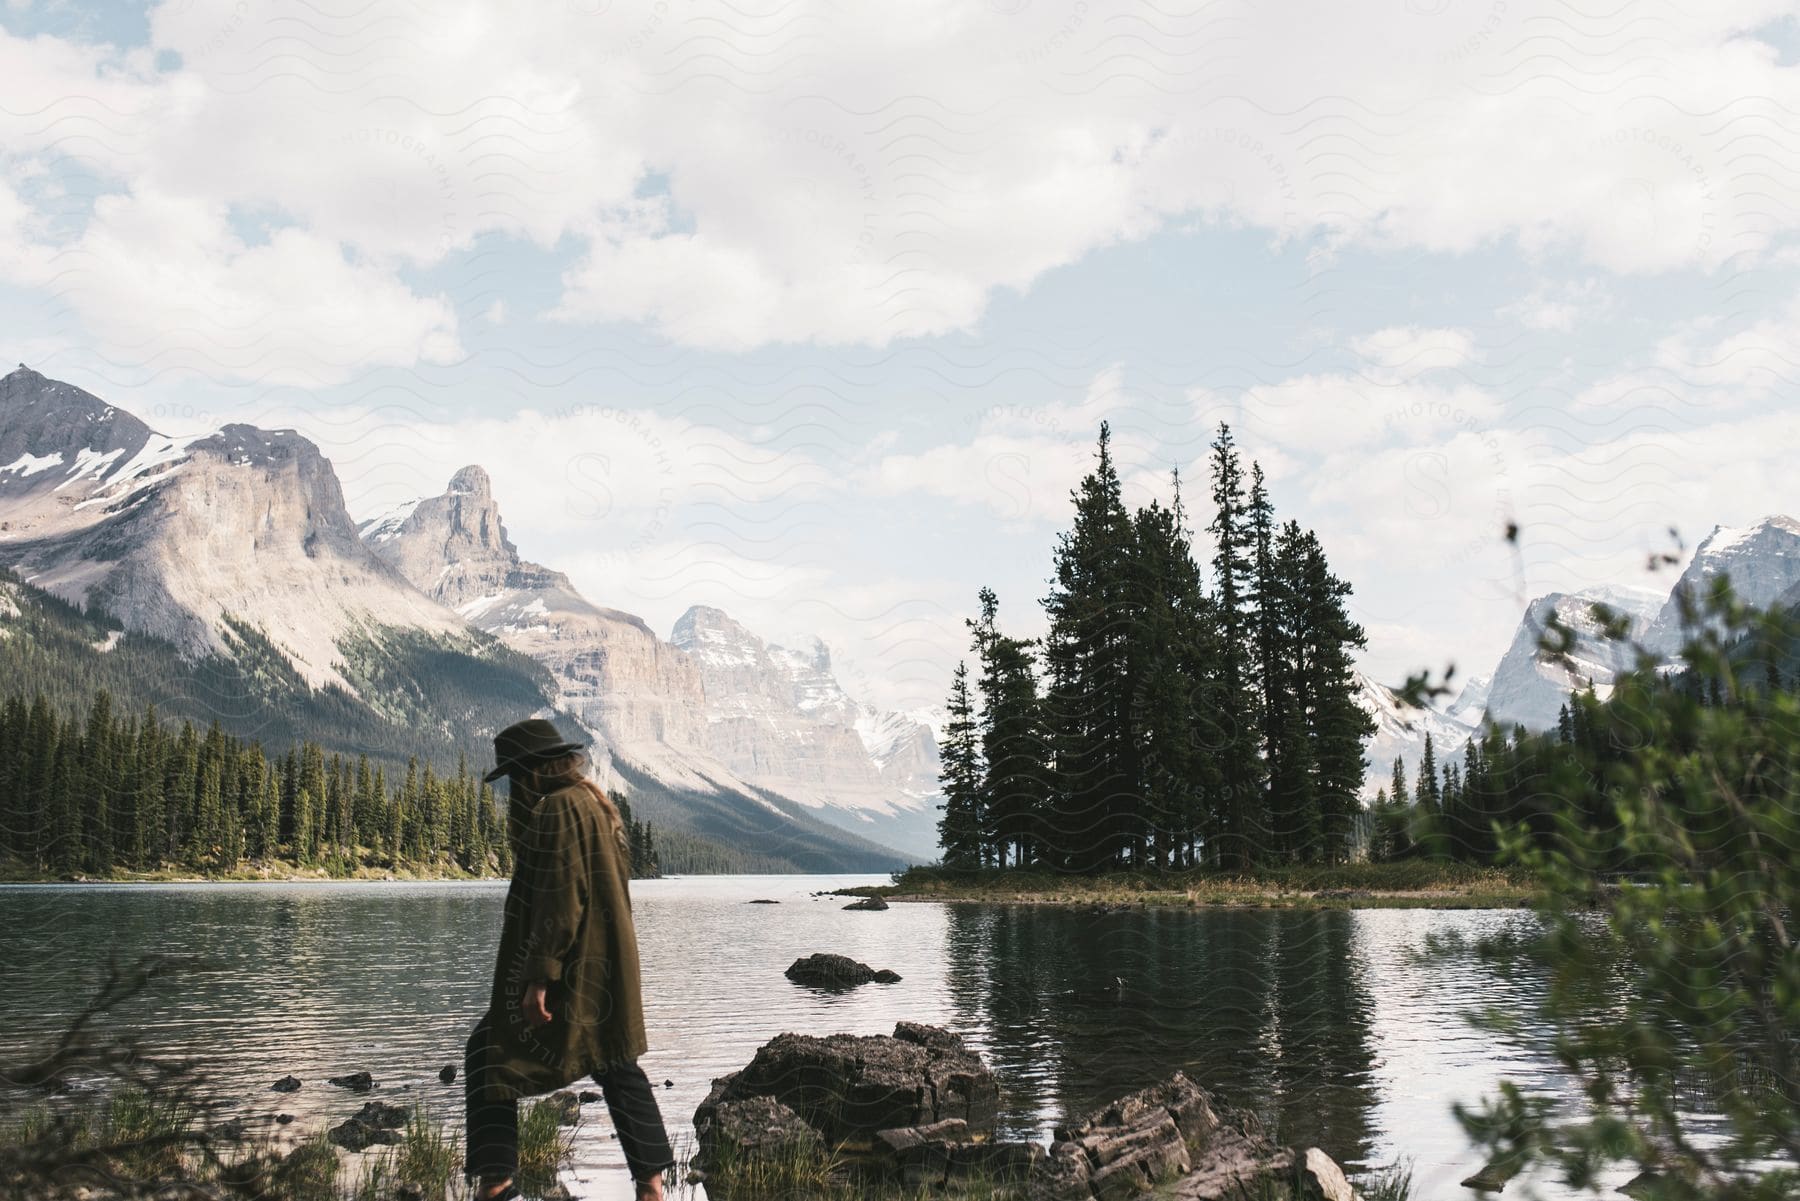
(812, 311)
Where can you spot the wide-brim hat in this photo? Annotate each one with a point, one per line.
(526, 743)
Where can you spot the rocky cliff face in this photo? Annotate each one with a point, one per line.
(639, 696)
(1529, 689)
(178, 541)
(777, 715)
(1763, 561)
(713, 709)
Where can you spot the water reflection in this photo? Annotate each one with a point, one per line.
(1323, 1022)
(1269, 1009)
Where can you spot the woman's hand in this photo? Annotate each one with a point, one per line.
(536, 1013)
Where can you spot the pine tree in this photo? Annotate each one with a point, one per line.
(1286, 701)
(1337, 723)
(1163, 696)
(960, 774)
(1240, 766)
(1086, 707)
(64, 817)
(99, 785)
(1012, 743)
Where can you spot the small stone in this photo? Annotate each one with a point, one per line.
(287, 1084)
(447, 1073)
(764, 901)
(381, 1115)
(284, 1118)
(668, 1084)
(354, 1135)
(567, 1106)
(356, 1082)
(589, 1096)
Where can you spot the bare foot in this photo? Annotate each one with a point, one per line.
(494, 1190)
(651, 1189)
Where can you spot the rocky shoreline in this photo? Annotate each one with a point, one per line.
(874, 1115)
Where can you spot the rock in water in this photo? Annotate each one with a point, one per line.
(589, 1096)
(567, 1106)
(356, 1082)
(447, 1073)
(850, 1086)
(353, 1135)
(287, 1084)
(764, 901)
(381, 1115)
(868, 903)
(824, 970)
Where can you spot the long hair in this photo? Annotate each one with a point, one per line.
(530, 785)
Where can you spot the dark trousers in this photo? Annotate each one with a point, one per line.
(493, 1125)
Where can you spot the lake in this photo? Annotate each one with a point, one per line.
(1325, 1021)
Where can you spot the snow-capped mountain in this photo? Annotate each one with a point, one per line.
(636, 694)
(1400, 729)
(183, 539)
(1763, 561)
(264, 607)
(777, 716)
(713, 710)
(1529, 689)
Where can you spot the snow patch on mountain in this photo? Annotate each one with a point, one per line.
(29, 464)
(1400, 730)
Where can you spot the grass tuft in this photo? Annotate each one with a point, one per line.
(545, 1146)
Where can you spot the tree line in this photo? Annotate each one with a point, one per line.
(1172, 714)
(127, 792)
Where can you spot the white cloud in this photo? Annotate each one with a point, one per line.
(1402, 352)
(857, 179)
(166, 277)
(1559, 308)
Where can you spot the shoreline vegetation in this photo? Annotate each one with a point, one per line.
(1402, 885)
(1412, 884)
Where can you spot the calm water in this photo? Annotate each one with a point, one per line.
(1323, 1021)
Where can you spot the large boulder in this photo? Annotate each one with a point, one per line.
(848, 1086)
(916, 1110)
(824, 970)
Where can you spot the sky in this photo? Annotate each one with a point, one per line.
(812, 312)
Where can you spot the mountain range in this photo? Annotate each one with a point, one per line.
(222, 577)
(228, 571)
(1528, 689)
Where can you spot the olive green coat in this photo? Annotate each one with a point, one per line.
(568, 923)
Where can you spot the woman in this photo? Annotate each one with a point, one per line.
(565, 1002)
